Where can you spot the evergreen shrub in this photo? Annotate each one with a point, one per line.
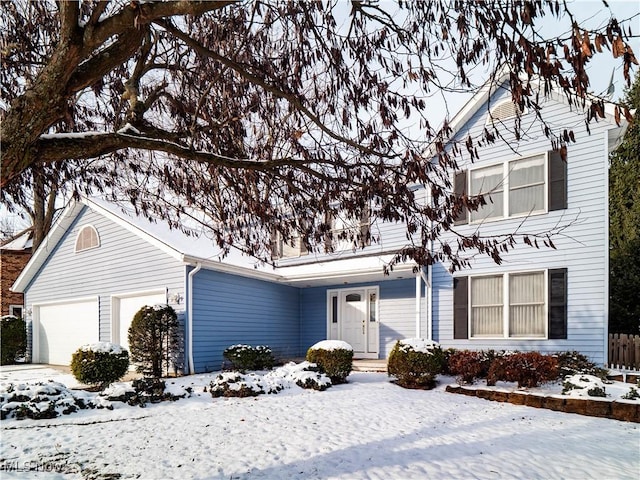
(415, 363)
(99, 363)
(154, 339)
(246, 357)
(13, 339)
(334, 358)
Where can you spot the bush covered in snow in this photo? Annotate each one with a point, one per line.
(246, 357)
(236, 384)
(99, 363)
(334, 358)
(43, 400)
(584, 386)
(415, 363)
(154, 339)
(573, 363)
(13, 339)
(529, 369)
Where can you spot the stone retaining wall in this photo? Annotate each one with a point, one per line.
(627, 412)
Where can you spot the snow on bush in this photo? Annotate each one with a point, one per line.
(334, 358)
(246, 357)
(44, 400)
(418, 345)
(584, 386)
(236, 384)
(102, 347)
(305, 375)
(99, 363)
(415, 362)
(330, 345)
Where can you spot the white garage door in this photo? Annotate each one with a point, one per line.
(126, 309)
(63, 328)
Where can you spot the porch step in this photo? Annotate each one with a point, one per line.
(367, 365)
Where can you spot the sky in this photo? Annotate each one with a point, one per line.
(589, 14)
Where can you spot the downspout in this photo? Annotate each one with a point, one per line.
(418, 304)
(428, 294)
(190, 315)
(606, 250)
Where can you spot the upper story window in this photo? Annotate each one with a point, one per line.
(287, 249)
(503, 111)
(515, 188)
(87, 238)
(349, 233)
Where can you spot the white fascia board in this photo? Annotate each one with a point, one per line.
(232, 269)
(47, 246)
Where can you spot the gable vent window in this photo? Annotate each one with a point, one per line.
(87, 238)
(504, 110)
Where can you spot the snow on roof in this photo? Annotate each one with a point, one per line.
(194, 243)
(21, 241)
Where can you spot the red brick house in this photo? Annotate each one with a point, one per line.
(14, 255)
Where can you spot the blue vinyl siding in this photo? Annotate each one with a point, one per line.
(123, 263)
(230, 309)
(580, 247)
(397, 313)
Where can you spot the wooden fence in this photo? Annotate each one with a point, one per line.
(624, 351)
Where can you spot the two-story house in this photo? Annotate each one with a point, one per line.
(99, 265)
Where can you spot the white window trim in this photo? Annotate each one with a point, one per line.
(506, 189)
(506, 304)
(14, 306)
(75, 245)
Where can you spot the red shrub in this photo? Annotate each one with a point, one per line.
(529, 369)
(467, 365)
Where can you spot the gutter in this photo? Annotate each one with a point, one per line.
(190, 316)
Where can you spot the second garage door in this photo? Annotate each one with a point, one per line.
(125, 307)
(62, 328)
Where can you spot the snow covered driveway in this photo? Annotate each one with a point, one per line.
(368, 428)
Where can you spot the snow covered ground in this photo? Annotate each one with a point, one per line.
(368, 428)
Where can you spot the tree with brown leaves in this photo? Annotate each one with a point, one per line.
(257, 117)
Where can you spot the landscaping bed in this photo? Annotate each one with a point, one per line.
(627, 411)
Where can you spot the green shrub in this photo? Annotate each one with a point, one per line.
(154, 339)
(99, 363)
(13, 339)
(415, 363)
(334, 358)
(575, 363)
(529, 369)
(246, 357)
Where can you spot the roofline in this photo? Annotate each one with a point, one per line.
(494, 82)
(49, 243)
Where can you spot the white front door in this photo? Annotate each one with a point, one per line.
(125, 308)
(354, 321)
(352, 316)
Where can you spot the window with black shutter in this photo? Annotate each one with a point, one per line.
(558, 303)
(460, 189)
(557, 181)
(461, 307)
